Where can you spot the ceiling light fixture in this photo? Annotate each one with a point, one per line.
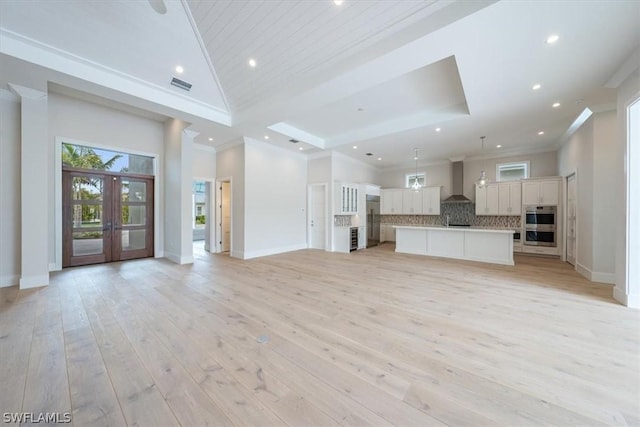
(498, 146)
(556, 105)
(483, 181)
(300, 148)
(379, 158)
(541, 132)
(416, 184)
(210, 139)
(552, 38)
(252, 63)
(355, 147)
(179, 69)
(438, 129)
(338, 2)
(266, 137)
(536, 86)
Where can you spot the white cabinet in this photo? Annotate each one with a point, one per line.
(391, 201)
(431, 201)
(346, 199)
(412, 202)
(541, 192)
(342, 239)
(362, 238)
(487, 200)
(510, 198)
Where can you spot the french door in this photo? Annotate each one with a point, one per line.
(106, 217)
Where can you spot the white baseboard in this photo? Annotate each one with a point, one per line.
(6, 281)
(53, 266)
(236, 254)
(596, 276)
(34, 281)
(273, 251)
(628, 300)
(179, 259)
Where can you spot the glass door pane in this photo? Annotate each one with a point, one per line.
(134, 204)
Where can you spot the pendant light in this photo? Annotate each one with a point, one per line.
(483, 181)
(416, 184)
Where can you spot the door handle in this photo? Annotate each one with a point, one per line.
(117, 227)
(107, 226)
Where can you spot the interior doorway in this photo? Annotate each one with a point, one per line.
(317, 229)
(571, 220)
(224, 203)
(107, 217)
(633, 204)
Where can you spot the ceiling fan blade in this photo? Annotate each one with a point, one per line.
(158, 6)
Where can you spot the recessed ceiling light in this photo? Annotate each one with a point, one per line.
(541, 132)
(438, 129)
(355, 147)
(252, 63)
(556, 105)
(552, 38)
(498, 146)
(337, 2)
(300, 148)
(379, 158)
(536, 86)
(179, 69)
(266, 137)
(210, 139)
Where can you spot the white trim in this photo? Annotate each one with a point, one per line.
(627, 68)
(628, 300)
(218, 201)
(228, 145)
(525, 163)
(299, 134)
(566, 210)
(7, 281)
(34, 281)
(158, 246)
(179, 259)
(273, 251)
(595, 276)
(8, 95)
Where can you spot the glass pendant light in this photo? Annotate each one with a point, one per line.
(483, 181)
(416, 184)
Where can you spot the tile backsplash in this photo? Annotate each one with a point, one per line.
(459, 213)
(342, 220)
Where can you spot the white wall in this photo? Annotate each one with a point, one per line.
(230, 164)
(319, 169)
(627, 291)
(347, 169)
(576, 155)
(9, 189)
(204, 162)
(275, 199)
(109, 128)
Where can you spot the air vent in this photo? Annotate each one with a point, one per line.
(369, 154)
(181, 84)
(295, 141)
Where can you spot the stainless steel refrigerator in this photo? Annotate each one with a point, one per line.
(373, 220)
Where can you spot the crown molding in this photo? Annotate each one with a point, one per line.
(202, 147)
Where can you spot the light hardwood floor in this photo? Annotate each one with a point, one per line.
(367, 338)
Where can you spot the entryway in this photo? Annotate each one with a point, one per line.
(317, 216)
(107, 216)
(223, 199)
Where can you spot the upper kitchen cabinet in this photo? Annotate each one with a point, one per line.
(391, 201)
(431, 201)
(510, 198)
(487, 200)
(541, 192)
(346, 199)
(412, 202)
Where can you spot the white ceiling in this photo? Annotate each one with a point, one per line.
(410, 66)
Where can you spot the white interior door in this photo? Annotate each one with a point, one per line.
(572, 192)
(318, 217)
(225, 216)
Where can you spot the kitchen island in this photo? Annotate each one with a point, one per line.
(473, 244)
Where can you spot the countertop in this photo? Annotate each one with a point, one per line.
(454, 228)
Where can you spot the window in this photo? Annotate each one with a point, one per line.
(512, 171)
(411, 178)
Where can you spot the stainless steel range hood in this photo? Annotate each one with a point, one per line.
(457, 172)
